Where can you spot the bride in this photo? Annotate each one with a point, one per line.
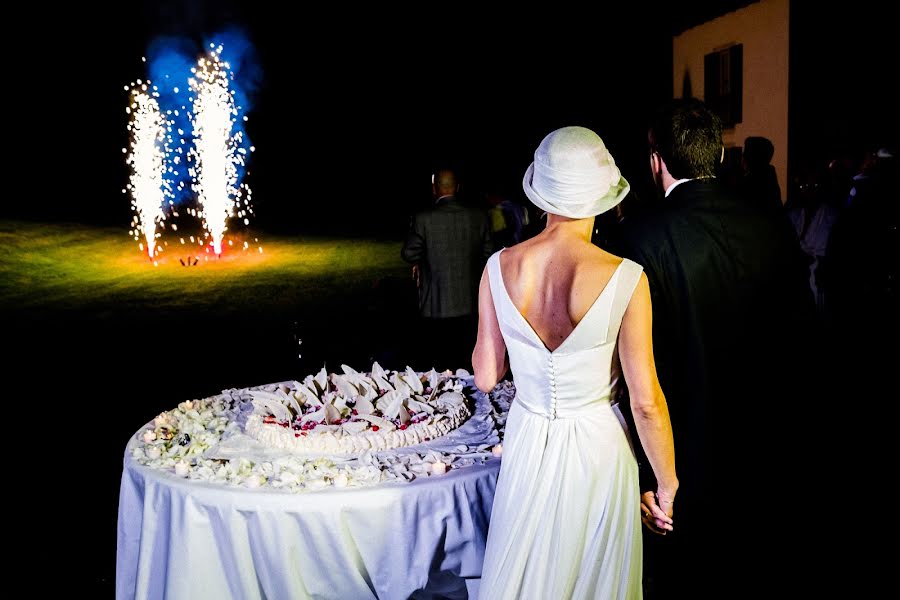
(562, 314)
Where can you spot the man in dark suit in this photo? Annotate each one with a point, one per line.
(448, 244)
(732, 311)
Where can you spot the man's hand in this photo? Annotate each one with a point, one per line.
(653, 516)
(416, 275)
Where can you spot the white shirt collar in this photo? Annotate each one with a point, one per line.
(674, 185)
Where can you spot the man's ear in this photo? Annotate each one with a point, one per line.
(656, 162)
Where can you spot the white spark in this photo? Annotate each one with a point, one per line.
(148, 184)
(216, 150)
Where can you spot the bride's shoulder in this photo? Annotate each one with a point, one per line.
(601, 258)
(605, 264)
(515, 252)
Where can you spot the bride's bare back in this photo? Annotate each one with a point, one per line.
(554, 279)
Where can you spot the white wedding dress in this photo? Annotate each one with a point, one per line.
(565, 521)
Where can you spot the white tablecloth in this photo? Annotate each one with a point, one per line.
(180, 538)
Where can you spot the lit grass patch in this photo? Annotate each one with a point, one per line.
(77, 267)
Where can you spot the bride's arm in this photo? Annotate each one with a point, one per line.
(489, 357)
(648, 403)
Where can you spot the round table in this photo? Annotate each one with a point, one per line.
(182, 538)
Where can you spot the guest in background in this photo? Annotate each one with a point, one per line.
(860, 181)
(813, 217)
(759, 184)
(448, 244)
(731, 311)
(535, 222)
(509, 220)
(863, 268)
(500, 231)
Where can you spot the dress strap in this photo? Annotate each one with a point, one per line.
(628, 277)
(496, 281)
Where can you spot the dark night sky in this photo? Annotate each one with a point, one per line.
(357, 106)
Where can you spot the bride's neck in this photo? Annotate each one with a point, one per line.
(582, 228)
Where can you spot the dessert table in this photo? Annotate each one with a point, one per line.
(180, 537)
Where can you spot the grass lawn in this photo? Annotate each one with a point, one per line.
(54, 267)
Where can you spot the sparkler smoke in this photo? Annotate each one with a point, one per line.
(218, 150)
(148, 183)
(241, 57)
(169, 64)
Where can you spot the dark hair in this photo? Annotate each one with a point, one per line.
(688, 137)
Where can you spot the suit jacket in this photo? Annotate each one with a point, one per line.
(450, 241)
(732, 315)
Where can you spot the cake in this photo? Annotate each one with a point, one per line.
(304, 436)
(354, 412)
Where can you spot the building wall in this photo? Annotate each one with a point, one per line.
(762, 28)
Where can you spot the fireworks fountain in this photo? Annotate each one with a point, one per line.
(148, 184)
(218, 153)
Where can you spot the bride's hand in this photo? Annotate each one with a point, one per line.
(654, 517)
(666, 501)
